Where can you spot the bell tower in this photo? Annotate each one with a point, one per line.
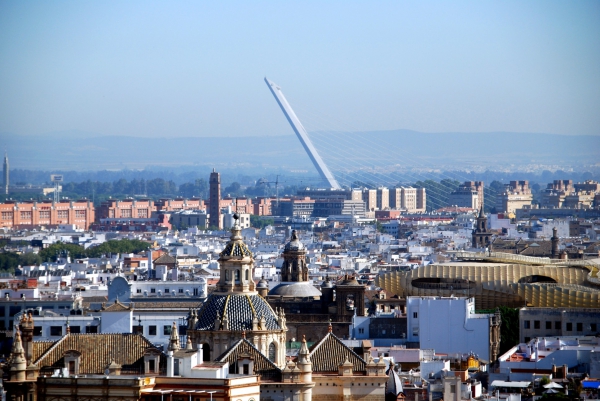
(294, 267)
(236, 264)
(481, 235)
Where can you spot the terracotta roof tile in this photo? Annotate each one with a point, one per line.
(97, 351)
(262, 365)
(329, 353)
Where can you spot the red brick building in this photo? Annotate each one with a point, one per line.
(29, 214)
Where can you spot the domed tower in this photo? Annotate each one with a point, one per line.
(236, 309)
(262, 287)
(294, 267)
(294, 273)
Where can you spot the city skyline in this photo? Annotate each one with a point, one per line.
(189, 69)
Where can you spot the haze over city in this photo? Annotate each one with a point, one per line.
(195, 69)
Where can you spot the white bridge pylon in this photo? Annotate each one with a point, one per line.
(302, 135)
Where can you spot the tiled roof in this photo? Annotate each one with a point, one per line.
(240, 309)
(97, 351)
(39, 347)
(116, 307)
(165, 258)
(262, 365)
(329, 353)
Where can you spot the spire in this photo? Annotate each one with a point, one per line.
(174, 339)
(303, 354)
(17, 356)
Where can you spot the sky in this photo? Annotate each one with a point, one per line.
(195, 68)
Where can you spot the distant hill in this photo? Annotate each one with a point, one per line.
(84, 151)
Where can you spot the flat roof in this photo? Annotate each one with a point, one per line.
(502, 383)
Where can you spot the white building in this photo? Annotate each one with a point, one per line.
(449, 325)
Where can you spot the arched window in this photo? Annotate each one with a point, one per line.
(246, 274)
(272, 351)
(227, 275)
(237, 276)
(206, 352)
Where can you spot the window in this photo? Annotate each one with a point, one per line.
(138, 291)
(579, 326)
(526, 324)
(44, 214)
(62, 214)
(152, 290)
(167, 330)
(125, 212)
(548, 325)
(7, 215)
(414, 315)
(246, 369)
(151, 330)
(180, 290)
(37, 331)
(569, 326)
(361, 331)
(13, 310)
(80, 214)
(167, 291)
(151, 365)
(453, 388)
(143, 213)
(527, 339)
(593, 327)
(138, 329)
(91, 329)
(56, 330)
(25, 215)
(75, 329)
(536, 324)
(556, 325)
(272, 352)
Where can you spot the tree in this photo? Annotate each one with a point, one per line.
(29, 259)
(261, 222)
(509, 331)
(232, 189)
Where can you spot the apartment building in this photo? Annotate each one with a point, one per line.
(557, 322)
(516, 195)
(383, 198)
(413, 200)
(468, 194)
(28, 214)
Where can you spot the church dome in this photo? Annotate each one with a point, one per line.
(299, 290)
(239, 310)
(262, 284)
(294, 244)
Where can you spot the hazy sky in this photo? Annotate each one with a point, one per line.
(179, 68)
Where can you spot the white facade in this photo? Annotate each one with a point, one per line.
(448, 325)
